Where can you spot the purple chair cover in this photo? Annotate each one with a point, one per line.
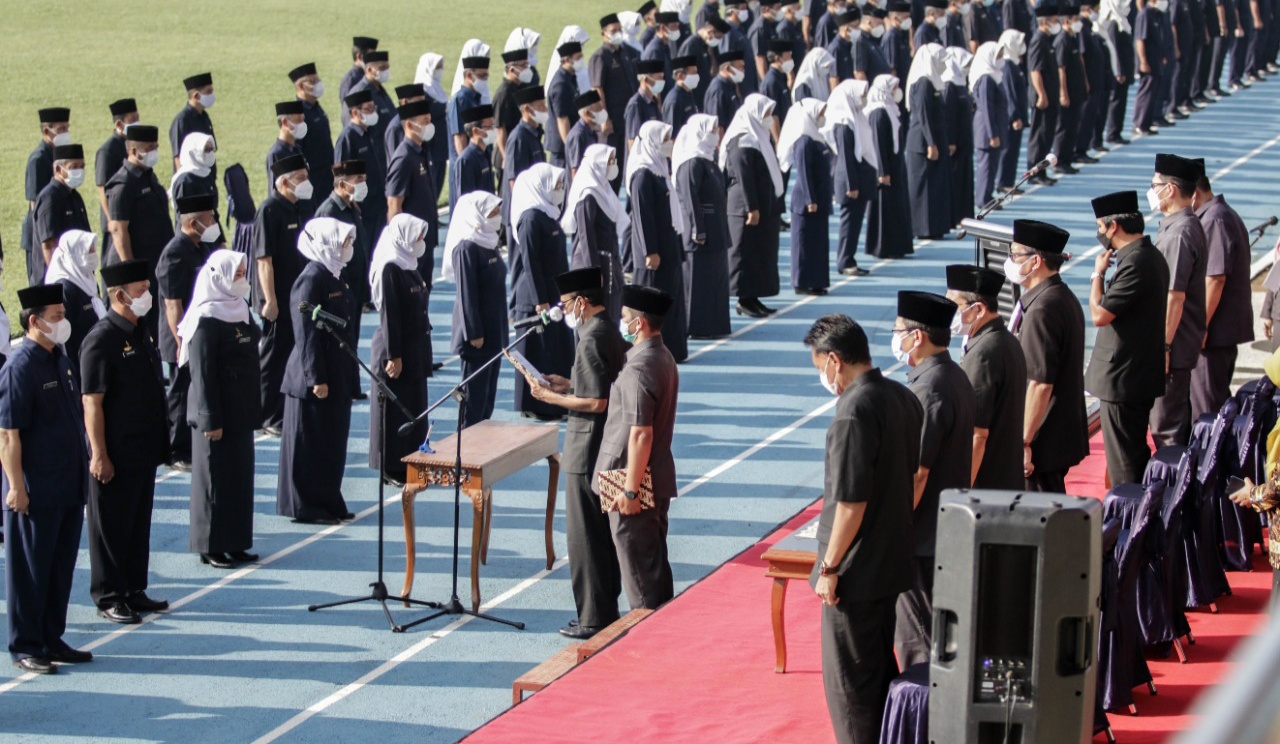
(1110, 684)
(1206, 578)
(1162, 585)
(1241, 528)
(1122, 666)
(906, 711)
(240, 207)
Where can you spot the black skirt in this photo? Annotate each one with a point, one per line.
(221, 493)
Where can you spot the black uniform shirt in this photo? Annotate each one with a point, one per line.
(946, 438)
(110, 157)
(59, 209)
(135, 195)
(998, 373)
(176, 280)
(1228, 245)
(1181, 239)
(275, 236)
(39, 397)
(225, 373)
(118, 359)
(598, 360)
(645, 394)
(1127, 364)
(1052, 337)
(409, 177)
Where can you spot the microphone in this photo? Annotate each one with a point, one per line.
(1263, 227)
(317, 313)
(1042, 166)
(554, 314)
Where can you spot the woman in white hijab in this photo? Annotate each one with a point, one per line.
(849, 133)
(813, 79)
(401, 352)
(889, 228)
(927, 147)
(803, 149)
(1117, 33)
(655, 245)
(194, 176)
(480, 305)
(526, 38)
(74, 260)
(224, 408)
(990, 117)
(537, 258)
(957, 107)
(755, 201)
(595, 218)
(700, 187)
(320, 380)
(632, 27)
(1014, 85)
(429, 74)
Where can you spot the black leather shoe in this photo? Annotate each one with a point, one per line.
(119, 613)
(750, 310)
(360, 395)
(854, 271)
(71, 656)
(765, 308)
(217, 560)
(811, 291)
(347, 517)
(437, 366)
(324, 521)
(243, 556)
(182, 466)
(579, 632)
(1088, 159)
(36, 665)
(140, 602)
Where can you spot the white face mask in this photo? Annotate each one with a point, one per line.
(617, 39)
(1093, 17)
(482, 87)
(525, 76)
(58, 333)
(905, 25)
(600, 117)
(75, 177)
(1013, 270)
(612, 173)
(1153, 199)
(571, 320)
(207, 158)
(240, 288)
(958, 326)
(141, 305)
(1076, 27)
(1162, 5)
(300, 130)
(940, 22)
(1055, 29)
(210, 233)
(579, 65)
(657, 86)
(830, 385)
(209, 100)
(438, 74)
(897, 95)
(427, 132)
(61, 138)
(384, 76)
(490, 136)
(303, 190)
(787, 66)
(151, 158)
(370, 119)
(673, 35)
(419, 248)
(691, 81)
(744, 15)
(542, 117)
(89, 263)
(714, 42)
(317, 90)
(359, 191)
(737, 75)
(624, 328)
(895, 346)
(556, 197)
(877, 32)
(667, 148)
(494, 223)
(966, 8)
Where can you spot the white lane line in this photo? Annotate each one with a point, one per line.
(403, 656)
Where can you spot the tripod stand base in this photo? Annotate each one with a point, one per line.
(379, 594)
(454, 607)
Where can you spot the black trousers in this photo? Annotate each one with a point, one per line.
(1052, 481)
(1221, 46)
(1009, 159)
(1124, 437)
(273, 354)
(593, 559)
(1044, 125)
(1064, 138)
(1211, 379)
(1146, 104)
(483, 390)
(176, 400)
(1171, 414)
(913, 625)
(857, 666)
(851, 217)
(39, 562)
(1117, 104)
(641, 542)
(119, 516)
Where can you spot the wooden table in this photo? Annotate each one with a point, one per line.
(491, 451)
(792, 557)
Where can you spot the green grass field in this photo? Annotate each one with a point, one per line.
(85, 55)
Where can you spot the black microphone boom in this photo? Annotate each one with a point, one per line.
(317, 313)
(1263, 227)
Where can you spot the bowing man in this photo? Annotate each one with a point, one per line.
(655, 245)
(928, 155)
(754, 206)
(888, 230)
(855, 171)
(219, 345)
(524, 146)
(474, 170)
(74, 262)
(124, 410)
(703, 227)
(538, 256)
(319, 381)
(991, 116)
(45, 462)
(401, 352)
(803, 146)
(595, 218)
(480, 305)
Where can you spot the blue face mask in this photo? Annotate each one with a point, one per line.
(623, 327)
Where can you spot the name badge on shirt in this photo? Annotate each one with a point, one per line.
(128, 350)
(555, 233)
(240, 337)
(51, 385)
(363, 149)
(422, 169)
(88, 307)
(147, 190)
(291, 226)
(493, 260)
(417, 288)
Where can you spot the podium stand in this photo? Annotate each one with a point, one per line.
(991, 244)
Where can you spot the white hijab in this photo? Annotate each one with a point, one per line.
(395, 246)
(191, 158)
(986, 63)
(750, 128)
(845, 107)
(70, 262)
(321, 240)
(1118, 11)
(473, 48)
(698, 139)
(592, 180)
(533, 191)
(802, 120)
(677, 6)
(881, 97)
(469, 221)
(570, 33)
(928, 64)
(428, 65)
(1013, 42)
(816, 70)
(957, 60)
(646, 153)
(632, 26)
(213, 298)
(524, 38)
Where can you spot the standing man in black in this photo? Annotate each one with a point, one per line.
(42, 451)
(1046, 90)
(864, 533)
(922, 332)
(997, 370)
(139, 208)
(1050, 325)
(317, 146)
(54, 130)
(111, 156)
(613, 76)
(59, 207)
(124, 414)
(359, 46)
(194, 117)
(411, 184)
(593, 560)
(1125, 368)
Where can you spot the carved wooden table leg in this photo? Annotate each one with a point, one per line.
(779, 625)
(488, 527)
(553, 485)
(477, 536)
(407, 497)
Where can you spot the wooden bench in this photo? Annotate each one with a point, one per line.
(570, 656)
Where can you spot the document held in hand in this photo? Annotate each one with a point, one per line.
(525, 367)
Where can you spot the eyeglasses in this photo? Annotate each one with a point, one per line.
(1017, 257)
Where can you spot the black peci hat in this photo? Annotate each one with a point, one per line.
(126, 272)
(41, 295)
(349, 168)
(196, 203)
(568, 49)
(288, 164)
(54, 115)
(409, 90)
(853, 15)
(1046, 9)
(141, 133)
(123, 106)
(875, 12)
(1040, 236)
(68, 152)
(579, 280)
(683, 63)
(733, 55)
(515, 55)
(358, 98)
(1175, 166)
(196, 82)
(1121, 202)
(290, 108)
(302, 71)
(608, 20)
(376, 56)
(414, 108)
(927, 309)
(780, 46)
(976, 279)
(650, 66)
(477, 113)
(647, 299)
(719, 24)
(364, 43)
(530, 94)
(475, 63)
(647, 6)
(586, 100)
(664, 18)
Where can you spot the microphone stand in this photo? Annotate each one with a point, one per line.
(1260, 230)
(999, 201)
(453, 606)
(378, 589)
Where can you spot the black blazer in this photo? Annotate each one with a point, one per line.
(1127, 365)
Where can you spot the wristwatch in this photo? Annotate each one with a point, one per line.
(632, 495)
(824, 569)
(1095, 275)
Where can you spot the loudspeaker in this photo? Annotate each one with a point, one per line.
(1016, 587)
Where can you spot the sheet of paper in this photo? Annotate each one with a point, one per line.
(524, 365)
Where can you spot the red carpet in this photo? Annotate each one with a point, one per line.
(701, 669)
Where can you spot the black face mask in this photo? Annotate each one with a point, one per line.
(1103, 240)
